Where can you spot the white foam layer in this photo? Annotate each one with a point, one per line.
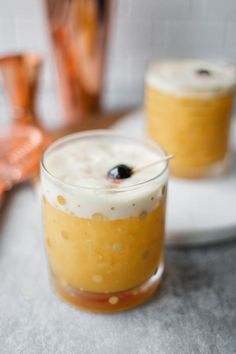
(182, 78)
(80, 171)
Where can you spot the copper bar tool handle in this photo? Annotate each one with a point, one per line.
(79, 31)
(2, 191)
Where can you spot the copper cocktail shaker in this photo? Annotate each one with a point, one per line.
(21, 78)
(79, 31)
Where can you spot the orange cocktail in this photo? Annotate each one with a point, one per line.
(189, 108)
(104, 237)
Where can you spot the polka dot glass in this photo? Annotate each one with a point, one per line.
(104, 263)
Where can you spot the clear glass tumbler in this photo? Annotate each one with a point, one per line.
(189, 110)
(104, 245)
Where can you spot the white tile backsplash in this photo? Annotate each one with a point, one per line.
(29, 35)
(8, 41)
(168, 10)
(159, 40)
(195, 39)
(131, 37)
(229, 40)
(197, 10)
(142, 30)
(217, 9)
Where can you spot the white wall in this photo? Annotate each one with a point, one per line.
(143, 30)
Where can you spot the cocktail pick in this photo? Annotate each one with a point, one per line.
(144, 167)
(123, 171)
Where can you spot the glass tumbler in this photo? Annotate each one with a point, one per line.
(189, 109)
(104, 246)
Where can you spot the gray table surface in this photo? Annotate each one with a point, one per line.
(193, 311)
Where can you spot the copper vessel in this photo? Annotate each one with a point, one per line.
(79, 31)
(21, 77)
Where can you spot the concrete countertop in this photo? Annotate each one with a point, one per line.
(193, 311)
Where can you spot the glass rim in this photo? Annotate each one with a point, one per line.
(99, 133)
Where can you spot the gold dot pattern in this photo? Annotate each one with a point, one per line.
(116, 247)
(163, 191)
(97, 278)
(49, 243)
(113, 300)
(64, 235)
(145, 255)
(143, 215)
(98, 216)
(63, 282)
(121, 242)
(61, 200)
(135, 292)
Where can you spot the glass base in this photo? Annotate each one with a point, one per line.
(108, 302)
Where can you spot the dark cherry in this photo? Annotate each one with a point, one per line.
(203, 72)
(120, 172)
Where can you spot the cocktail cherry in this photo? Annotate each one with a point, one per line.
(121, 171)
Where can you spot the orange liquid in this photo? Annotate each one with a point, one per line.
(195, 130)
(103, 265)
